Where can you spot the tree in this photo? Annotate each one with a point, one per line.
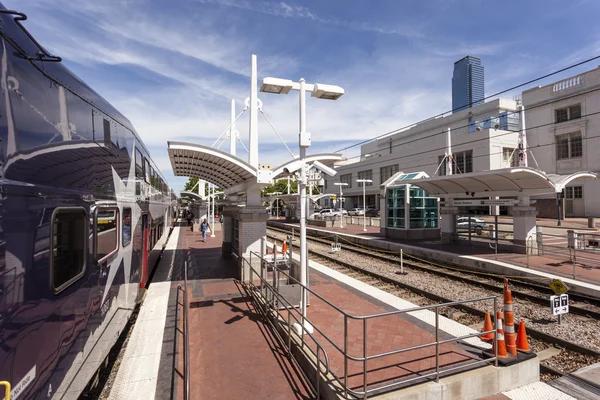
(192, 182)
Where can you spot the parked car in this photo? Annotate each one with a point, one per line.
(372, 212)
(330, 212)
(356, 211)
(477, 224)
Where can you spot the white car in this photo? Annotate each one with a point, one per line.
(356, 211)
(330, 212)
(477, 224)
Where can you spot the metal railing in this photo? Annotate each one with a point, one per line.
(186, 333)
(272, 303)
(6, 385)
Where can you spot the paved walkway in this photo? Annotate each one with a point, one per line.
(586, 266)
(232, 352)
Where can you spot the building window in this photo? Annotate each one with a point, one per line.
(463, 163)
(569, 146)
(396, 208)
(107, 238)
(69, 246)
(385, 173)
(568, 113)
(347, 178)
(510, 158)
(365, 175)
(573, 192)
(126, 227)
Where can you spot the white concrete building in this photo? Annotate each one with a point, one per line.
(563, 134)
(483, 138)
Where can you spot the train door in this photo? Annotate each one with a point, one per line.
(144, 264)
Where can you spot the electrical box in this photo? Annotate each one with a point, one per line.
(305, 139)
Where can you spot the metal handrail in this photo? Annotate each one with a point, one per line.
(289, 306)
(6, 385)
(186, 332)
(364, 358)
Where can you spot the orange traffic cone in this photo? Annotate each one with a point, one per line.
(284, 247)
(487, 326)
(501, 344)
(522, 343)
(509, 321)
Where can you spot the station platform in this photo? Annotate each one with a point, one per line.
(234, 353)
(587, 275)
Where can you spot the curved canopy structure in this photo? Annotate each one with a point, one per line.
(191, 195)
(294, 164)
(527, 181)
(209, 164)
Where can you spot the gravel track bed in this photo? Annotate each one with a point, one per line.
(577, 329)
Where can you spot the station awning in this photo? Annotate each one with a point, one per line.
(327, 159)
(215, 166)
(191, 195)
(507, 181)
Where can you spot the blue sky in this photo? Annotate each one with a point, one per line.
(172, 67)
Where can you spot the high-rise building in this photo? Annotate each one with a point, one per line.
(468, 88)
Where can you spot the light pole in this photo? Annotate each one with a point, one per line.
(328, 92)
(212, 231)
(364, 185)
(276, 201)
(341, 184)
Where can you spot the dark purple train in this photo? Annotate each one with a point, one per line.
(84, 215)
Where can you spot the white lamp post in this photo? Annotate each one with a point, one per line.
(212, 231)
(276, 201)
(341, 184)
(364, 182)
(320, 91)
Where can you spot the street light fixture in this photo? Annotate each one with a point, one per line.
(341, 184)
(364, 182)
(276, 201)
(329, 92)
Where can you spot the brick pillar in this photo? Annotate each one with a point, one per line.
(524, 223)
(252, 228)
(448, 223)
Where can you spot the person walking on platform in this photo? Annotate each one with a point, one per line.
(204, 229)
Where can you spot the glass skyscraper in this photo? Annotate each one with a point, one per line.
(467, 83)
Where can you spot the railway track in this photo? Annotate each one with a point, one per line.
(572, 356)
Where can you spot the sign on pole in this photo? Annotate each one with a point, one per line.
(558, 287)
(559, 304)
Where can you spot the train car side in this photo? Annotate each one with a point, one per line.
(84, 215)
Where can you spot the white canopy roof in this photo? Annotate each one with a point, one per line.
(508, 181)
(215, 166)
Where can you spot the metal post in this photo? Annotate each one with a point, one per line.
(469, 224)
(449, 165)
(232, 133)
(437, 346)
(345, 356)
(253, 130)
(302, 189)
(212, 231)
(496, 234)
(522, 139)
(559, 201)
(364, 207)
(187, 339)
(341, 208)
(365, 358)
(496, 331)
(402, 261)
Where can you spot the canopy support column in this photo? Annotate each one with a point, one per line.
(448, 215)
(524, 223)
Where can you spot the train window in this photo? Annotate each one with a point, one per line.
(139, 164)
(126, 229)
(106, 132)
(107, 237)
(69, 247)
(147, 170)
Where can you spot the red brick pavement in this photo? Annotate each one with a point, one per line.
(232, 353)
(384, 334)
